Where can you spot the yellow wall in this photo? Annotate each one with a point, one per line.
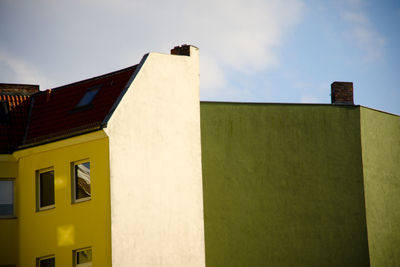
(9, 226)
(68, 226)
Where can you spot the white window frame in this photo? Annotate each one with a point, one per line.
(73, 182)
(13, 196)
(38, 193)
(39, 259)
(75, 257)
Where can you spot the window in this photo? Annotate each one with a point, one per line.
(81, 190)
(49, 261)
(83, 257)
(45, 189)
(6, 198)
(4, 112)
(88, 96)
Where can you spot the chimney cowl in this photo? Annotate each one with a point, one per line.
(183, 50)
(342, 93)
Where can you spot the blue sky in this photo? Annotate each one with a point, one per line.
(251, 50)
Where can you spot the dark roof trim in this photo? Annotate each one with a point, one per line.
(128, 84)
(88, 80)
(61, 136)
(28, 120)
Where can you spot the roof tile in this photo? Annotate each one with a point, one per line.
(52, 114)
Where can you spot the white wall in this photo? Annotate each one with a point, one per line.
(155, 165)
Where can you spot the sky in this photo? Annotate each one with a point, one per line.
(250, 50)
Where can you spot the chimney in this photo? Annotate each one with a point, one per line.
(18, 89)
(48, 94)
(183, 50)
(342, 93)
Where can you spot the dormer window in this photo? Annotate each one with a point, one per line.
(4, 112)
(88, 97)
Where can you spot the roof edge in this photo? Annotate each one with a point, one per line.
(293, 104)
(277, 103)
(51, 139)
(381, 111)
(56, 144)
(90, 79)
(18, 89)
(128, 84)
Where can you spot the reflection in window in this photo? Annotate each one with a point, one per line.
(6, 198)
(46, 189)
(83, 257)
(88, 97)
(82, 181)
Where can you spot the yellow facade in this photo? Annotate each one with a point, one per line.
(8, 226)
(68, 226)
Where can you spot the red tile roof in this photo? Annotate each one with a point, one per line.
(12, 132)
(52, 114)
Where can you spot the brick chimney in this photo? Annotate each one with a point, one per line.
(342, 93)
(18, 89)
(183, 50)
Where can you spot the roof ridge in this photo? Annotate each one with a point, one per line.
(90, 79)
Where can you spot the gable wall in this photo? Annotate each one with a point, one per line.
(155, 166)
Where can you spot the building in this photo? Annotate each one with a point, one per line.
(300, 185)
(118, 175)
(105, 171)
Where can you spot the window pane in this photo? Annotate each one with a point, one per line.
(6, 198)
(47, 262)
(82, 180)
(84, 256)
(46, 186)
(87, 98)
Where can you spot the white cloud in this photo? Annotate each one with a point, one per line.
(212, 77)
(21, 72)
(311, 91)
(355, 3)
(243, 34)
(356, 18)
(239, 35)
(365, 36)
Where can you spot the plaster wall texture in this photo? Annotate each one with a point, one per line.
(155, 166)
(8, 226)
(283, 185)
(380, 135)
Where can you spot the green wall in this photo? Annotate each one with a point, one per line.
(380, 135)
(283, 185)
